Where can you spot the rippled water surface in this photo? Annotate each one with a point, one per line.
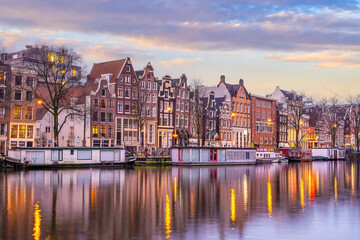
(318, 200)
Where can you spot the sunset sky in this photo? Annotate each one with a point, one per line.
(312, 46)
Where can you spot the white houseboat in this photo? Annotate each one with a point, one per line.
(70, 156)
(269, 157)
(212, 156)
(327, 154)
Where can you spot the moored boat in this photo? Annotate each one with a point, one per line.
(268, 157)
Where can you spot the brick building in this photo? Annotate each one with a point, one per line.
(148, 107)
(166, 110)
(263, 122)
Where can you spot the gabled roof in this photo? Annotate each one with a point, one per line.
(112, 67)
(292, 95)
(40, 113)
(139, 74)
(175, 82)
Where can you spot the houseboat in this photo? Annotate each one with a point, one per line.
(269, 157)
(212, 156)
(70, 156)
(327, 154)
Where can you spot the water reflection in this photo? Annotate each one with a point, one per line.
(182, 203)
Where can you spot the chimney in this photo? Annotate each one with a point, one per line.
(241, 82)
(222, 79)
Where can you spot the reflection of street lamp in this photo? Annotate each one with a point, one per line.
(335, 125)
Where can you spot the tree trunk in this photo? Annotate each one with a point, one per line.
(297, 143)
(56, 129)
(84, 133)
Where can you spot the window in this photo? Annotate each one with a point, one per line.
(177, 105)
(154, 98)
(30, 131)
(17, 112)
(2, 93)
(127, 92)
(103, 92)
(14, 131)
(186, 107)
(127, 68)
(134, 108)
(111, 104)
(154, 85)
(29, 96)
(120, 107)
(22, 131)
(29, 81)
(96, 102)
(28, 113)
(182, 106)
(3, 129)
(2, 78)
(153, 112)
(127, 79)
(148, 75)
(103, 103)
(142, 85)
(18, 80)
(120, 92)
(95, 131)
(102, 130)
(151, 133)
(95, 116)
(148, 98)
(17, 95)
(47, 129)
(103, 117)
(134, 93)
(110, 131)
(182, 94)
(127, 107)
(142, 97)
(186, 121)
(178, 93)
(165, 120)
(110, 117)
(148, 85)
(177, 120)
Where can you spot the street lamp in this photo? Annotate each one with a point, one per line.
(39, 101)
(169, 109)
(233, 114)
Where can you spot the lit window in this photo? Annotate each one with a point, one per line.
(28, 113)
(29, 132)
(14, 130)
(22, 131)
(17, 112)
(95, 130)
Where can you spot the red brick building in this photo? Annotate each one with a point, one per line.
(148, 107)
(263, 122)
(182, 110)
(117, 95)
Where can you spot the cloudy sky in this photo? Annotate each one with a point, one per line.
(312, 46)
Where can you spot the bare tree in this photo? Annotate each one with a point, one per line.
(330, 117)
(296, 120)
(198, 108)
(144, 112)
(58, 71)
(354, 114)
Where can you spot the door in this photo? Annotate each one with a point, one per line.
(118, 138)
(213, 155)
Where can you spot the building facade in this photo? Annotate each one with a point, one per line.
(263, 124)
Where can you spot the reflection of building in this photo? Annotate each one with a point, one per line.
(158, 203)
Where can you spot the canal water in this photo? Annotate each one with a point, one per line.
(319, 200)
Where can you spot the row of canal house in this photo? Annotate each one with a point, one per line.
(135, 109)
(124, 107)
